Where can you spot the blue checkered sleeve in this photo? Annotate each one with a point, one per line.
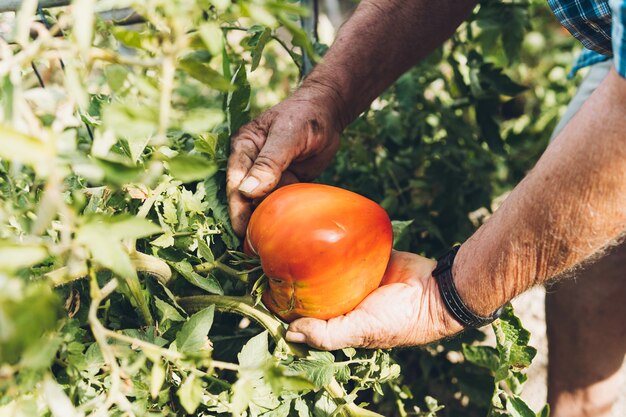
(618, 35)
(586, 58)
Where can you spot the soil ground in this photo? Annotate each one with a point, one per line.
(530, 308)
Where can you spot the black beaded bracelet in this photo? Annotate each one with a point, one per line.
(451, 298)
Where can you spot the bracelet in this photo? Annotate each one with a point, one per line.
(451, 299)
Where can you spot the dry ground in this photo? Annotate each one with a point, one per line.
(529, 307)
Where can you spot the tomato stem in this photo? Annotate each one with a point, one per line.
(210, 266)
(244, 305)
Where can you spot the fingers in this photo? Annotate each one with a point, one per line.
(242, 156)
(267, 170)
(255, 167)
(336, 333)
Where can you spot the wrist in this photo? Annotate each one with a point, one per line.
(478, 293)
(327, 95)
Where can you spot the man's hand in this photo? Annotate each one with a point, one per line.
(406, 310)
(293, 141)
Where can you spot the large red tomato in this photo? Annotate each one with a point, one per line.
(323, 249)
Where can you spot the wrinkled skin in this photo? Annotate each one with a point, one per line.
(404, 311)
(291, 142)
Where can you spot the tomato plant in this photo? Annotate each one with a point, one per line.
(122, 291)
(322, 248)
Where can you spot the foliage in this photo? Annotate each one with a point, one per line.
(117, 258)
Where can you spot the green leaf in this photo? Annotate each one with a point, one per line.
(167, 311)
(19, 147)
(301, 407)
(116, 75)
(318, 367)
(192, 337)
(188, 168)
(26, 315)
(518, 408)
(545, 411)
(238, 101)
(204, 73)
(198, 121)
(130, 38)
(206, 143)
(190, 394)
(204, 251)
(212, 36)
(258, 42)
(484, 356)
(122, 226)
(57, 401)
(512, 344)
(400, 230)
(41, 355)
(117, 173)
(14, 256)
(157, 378)
(217, 205)
(255, 353)
(208, 283)
(134, 121)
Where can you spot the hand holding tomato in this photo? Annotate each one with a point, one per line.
(406, 310)
(291, 142)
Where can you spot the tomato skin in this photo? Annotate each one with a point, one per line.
(323, 249)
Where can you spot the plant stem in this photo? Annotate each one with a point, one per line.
(166, 353)
(245, 306)
(114, 396)
(209, 266)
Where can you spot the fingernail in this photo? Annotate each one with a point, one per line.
(295, 337)
(248, 185)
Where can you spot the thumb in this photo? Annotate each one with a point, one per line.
(336, 333)
(266, 171)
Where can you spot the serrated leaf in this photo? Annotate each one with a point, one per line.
(255, 353)
(318, 367)
(190, 393)
(192, 337)
(243, 392)
(188, 168)
(512, 341)
(518, 408)
(484, 356)
(301, 407)
(324, 406)
(207, 283)
(215, 200)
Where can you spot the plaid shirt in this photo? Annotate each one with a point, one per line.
(599, 25)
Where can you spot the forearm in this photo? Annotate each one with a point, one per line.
(379, 42)
(568, 207)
